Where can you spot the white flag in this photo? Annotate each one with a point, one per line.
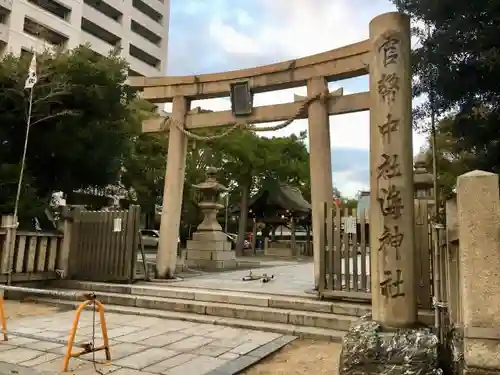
(32, 78)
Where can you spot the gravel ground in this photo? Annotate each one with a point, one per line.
(300, 357)
(20, 309)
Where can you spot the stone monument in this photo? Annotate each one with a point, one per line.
(210, 248)
(391, 341)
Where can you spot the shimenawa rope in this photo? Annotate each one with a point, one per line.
(168, 121)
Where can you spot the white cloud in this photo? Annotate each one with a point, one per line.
(295, 28)
(243, 18)
(348, 187)
(231, 40)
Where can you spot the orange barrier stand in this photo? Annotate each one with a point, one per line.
(90, 299)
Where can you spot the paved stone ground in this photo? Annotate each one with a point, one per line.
(139, 346)
(291, 278)
(294, 279)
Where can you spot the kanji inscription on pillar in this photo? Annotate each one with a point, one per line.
(391, 202)
(390, 172)
(388, 127)
(389, 167)
(391, 240)
(388, 87)
(389, 50)
(392, 284)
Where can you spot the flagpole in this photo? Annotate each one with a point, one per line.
(12, 243)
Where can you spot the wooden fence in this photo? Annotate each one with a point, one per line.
(346, 261)
(35, 255)
(104, 244)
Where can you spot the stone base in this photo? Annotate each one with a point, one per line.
(280, 252)
(211, 265)
(209, 251)
(479, 371)
(210, 236)
(368, 349)
(210, 255)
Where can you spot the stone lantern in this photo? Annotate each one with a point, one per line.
(209, 248)
(210, 202)
(422, 179)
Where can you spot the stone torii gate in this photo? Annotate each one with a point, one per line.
(314, 71)
(385, 56)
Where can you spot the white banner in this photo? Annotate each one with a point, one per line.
(32, 77)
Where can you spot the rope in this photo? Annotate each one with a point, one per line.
(168, 121)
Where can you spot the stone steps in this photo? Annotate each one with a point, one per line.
(312, 333)
(167, 290)
(299, 316)
(326, 320)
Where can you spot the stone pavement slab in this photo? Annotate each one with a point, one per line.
(293, 279)
(139, 346)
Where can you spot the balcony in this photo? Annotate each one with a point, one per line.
(96, 44)
(100, 32)
(104, 8)
(146, 45)
(142, 68)
(51, 21)
(150, 10)
(147, 34)
(44, 33)
(6, 4)
(53, 7)
(144, 20)
(159, 7)
(102, 20)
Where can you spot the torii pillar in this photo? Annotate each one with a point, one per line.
(320, 161)
(166, 257)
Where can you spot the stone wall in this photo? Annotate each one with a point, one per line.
(473, 277)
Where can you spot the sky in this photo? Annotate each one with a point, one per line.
(209, 36)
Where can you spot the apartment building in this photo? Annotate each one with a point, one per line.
(138, 27)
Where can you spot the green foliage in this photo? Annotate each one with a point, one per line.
(458, 64)
(144, 165)
(80, 116)
(452, 161)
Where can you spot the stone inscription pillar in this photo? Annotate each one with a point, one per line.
(166, 258)
(373, 346)
(320, 164)
(394, 301)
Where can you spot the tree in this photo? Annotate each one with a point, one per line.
(451, 159)
(144, 166)
(248, 159)
(458, 65)
(80, 119)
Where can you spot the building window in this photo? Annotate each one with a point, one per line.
(106, 9)
(53, 7)
(4, 16)
(144, 57)
(147, 10)
(100, 33)
(40, 31)
(145, 33)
